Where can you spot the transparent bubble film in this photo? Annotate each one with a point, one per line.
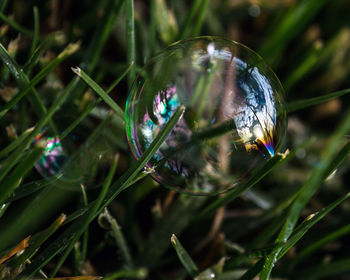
(234, 118)
(80, 158)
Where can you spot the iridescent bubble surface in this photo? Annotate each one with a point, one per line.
(234, 119)
(53, 158)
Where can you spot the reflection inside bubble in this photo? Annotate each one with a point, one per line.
(234, 114)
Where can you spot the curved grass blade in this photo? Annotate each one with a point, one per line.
(184, 257)
(320, 243)
(304, 103)
(36, 241)
(91, 83)
(291, 25)
(13, 145)
(309, 223)
(16, 26)
(36, 29)
(14, 179)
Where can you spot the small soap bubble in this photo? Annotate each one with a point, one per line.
(234, 118)
(53, 157)
(79, 157)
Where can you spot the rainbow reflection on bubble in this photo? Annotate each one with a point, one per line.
(53, 158)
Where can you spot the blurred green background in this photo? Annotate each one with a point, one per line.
(307, 44)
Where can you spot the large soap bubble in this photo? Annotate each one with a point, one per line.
(234, 119)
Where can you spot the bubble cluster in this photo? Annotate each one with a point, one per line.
(234, 118)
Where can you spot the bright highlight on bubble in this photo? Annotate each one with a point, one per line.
(234, 119)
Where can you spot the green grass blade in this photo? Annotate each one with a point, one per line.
(189, 19)
(324, 270)
(3, 208)
(345, 230)
(23, 81)
(91, 83)
(319, 174)
(68, 51)
(234, 193)
(140, 273)
(13, 180)
(89, 217)
(91, 106)
(36, 241)
(130, 38)
(3, 5)
(253, 271)
(309, 223)
(184, 257)
(36, 29)
(291, 25)
(16, 26)
(122, 183)
(201, 16)
(13, 145)
(98, 41)
(118, 236)
(308, 102)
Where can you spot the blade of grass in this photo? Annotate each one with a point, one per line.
(3, 208)
(234, 193)
(36, 29)
(13, 145)
(99, 39)
(13, 180)
(122, 183)
(156, 244)
(319, 174)
(91, 83)
(68, 51)
(89, 108)
(201, 16)
(36, 241)
(189, 20)
(152, 28)
(85, 242)
(324, 270)
(23, 81)
(89, 217)
(184, 257)
(308, 102)
(52, 39)
(253, 271)
(26, 32)
(118, 236)
(80, 212)
(130, 38)
(309, 222)
(320, 243)
(3, 5)
(291, 25)
(140, 273)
